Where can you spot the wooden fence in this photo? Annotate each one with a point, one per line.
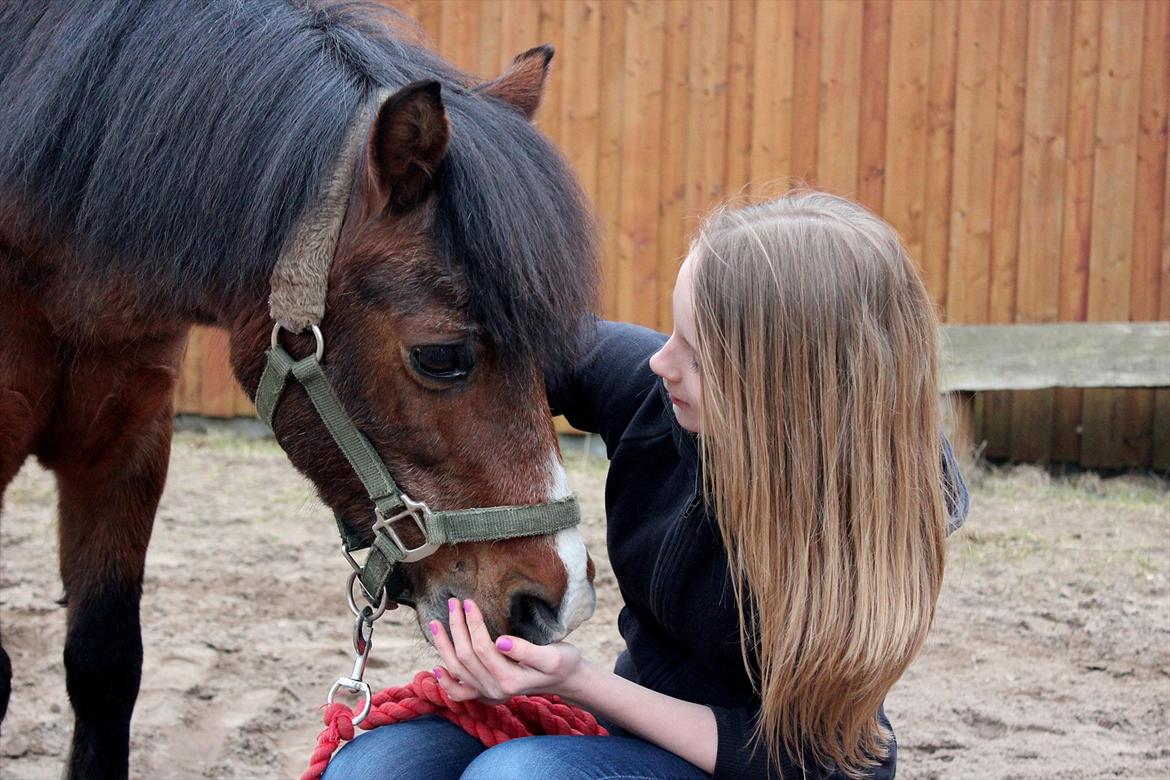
(1019, 147)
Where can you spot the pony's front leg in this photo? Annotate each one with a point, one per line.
(110, 457)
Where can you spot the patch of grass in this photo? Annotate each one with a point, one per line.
(1033, 482)
(226, 442)
(585, 466)
(1011, 545)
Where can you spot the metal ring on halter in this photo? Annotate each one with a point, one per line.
(358, 687)
(353, 607)
(316, 334)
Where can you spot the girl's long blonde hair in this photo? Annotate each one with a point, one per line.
(817, 347)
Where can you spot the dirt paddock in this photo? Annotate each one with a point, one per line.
(1050, 657)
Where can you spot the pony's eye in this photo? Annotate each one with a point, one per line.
(446, 362)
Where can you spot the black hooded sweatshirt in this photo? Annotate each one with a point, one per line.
(680, 622)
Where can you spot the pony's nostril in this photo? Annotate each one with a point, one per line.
(534, 619)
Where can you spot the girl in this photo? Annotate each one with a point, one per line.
(777, 507)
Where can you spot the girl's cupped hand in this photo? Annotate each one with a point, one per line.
(475, 667)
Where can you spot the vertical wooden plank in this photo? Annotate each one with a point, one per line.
(940, 139)
(1009, 154)
(1161, 454)
(977, 426)
(875, 75)
(1164, 296)
(408, 8)
(1114, 188)
(637, 260)
(519, 29)
(243, 405)
(552, 31)
(491, 19)
(1160, 458)
(609, 159)
(1005, 243)
(411, 26)
(904, 192)
(1146, 274)
(958, 414)
(840, 97)
(969, 255)
(458, 20)
(1042, 205)
(772, 96)
(737, 165)
(218, 387)
(707, 108)
(581, 105)
(673, 224)
(190, 375)
(806, 90)
(429, 19)
(1078, 211)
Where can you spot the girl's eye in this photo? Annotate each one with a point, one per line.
(445, 362)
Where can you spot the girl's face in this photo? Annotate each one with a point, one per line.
(677, 362)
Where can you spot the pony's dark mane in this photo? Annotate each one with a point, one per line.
(176, 143)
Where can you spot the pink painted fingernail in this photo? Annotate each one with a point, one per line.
(467, 605)
(504, 643)
(452, 604)
(438, 673)
(434, 628)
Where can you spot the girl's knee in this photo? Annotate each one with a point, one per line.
(428, 747)
(519, 759)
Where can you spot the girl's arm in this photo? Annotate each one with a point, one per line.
(684, 728)
(476, 668)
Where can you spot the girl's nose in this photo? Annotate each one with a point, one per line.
(661, 365)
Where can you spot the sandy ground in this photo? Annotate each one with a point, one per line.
(1050, 657)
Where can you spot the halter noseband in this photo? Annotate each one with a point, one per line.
(299, 283)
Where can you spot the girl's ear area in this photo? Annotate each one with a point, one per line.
(522, 84)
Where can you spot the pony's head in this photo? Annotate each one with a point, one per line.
(464, 269)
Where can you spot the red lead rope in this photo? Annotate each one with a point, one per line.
(491, 724)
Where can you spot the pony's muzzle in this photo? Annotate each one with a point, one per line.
(579, 599)
(533, 618)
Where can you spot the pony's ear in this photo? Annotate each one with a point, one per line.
(522, 84)
(407, 143)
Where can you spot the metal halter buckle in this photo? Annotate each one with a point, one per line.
(419, 513)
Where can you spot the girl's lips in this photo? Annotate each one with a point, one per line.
(677, 402)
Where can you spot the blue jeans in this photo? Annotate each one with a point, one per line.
(431, 748)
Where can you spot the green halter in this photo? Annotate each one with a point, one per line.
(391, 505)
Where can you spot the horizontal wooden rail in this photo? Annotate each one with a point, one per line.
(1031, 357)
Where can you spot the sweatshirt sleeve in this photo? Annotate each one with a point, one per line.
(955, 489)
(603, 389)
(738, 758)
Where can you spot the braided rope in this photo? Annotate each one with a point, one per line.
(491, 724)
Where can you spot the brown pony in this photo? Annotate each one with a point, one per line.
(155, 158)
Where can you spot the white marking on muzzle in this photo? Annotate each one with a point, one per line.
(579, 602)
